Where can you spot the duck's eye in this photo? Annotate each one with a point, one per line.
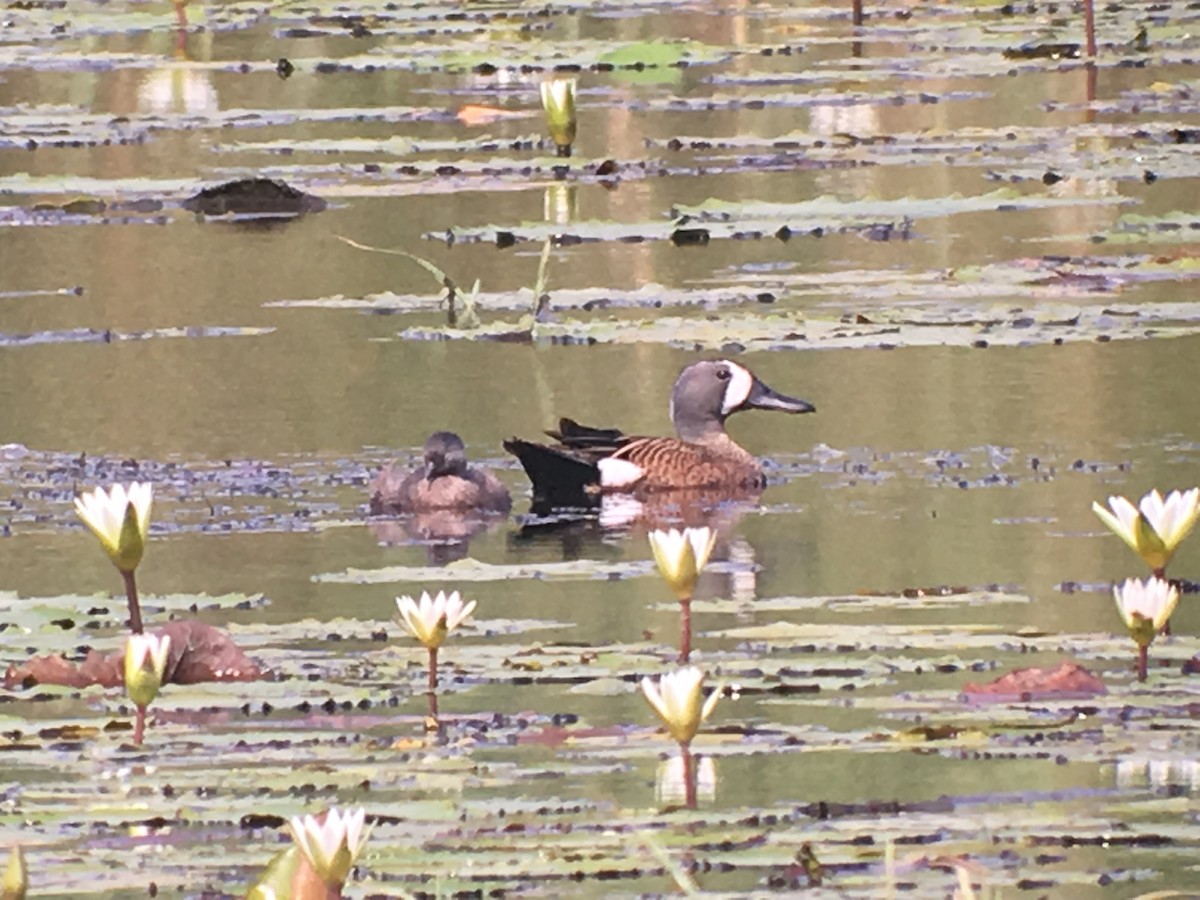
(723, 374)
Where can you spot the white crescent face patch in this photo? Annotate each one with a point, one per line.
(738, 388)
(619, 473)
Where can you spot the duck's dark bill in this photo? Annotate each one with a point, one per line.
(763, 397)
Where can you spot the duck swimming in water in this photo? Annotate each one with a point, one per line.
(587, 462)
(445, 481)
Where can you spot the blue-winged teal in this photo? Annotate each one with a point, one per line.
(444, 482)
(586, 462)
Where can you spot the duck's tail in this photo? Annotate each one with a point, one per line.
(561, 479)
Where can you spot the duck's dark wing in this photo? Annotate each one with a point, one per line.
(595, 442)
(565, 474)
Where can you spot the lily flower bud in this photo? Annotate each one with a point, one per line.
(145, 665)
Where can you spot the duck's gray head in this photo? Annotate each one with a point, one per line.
(445, 454)
(707, 393)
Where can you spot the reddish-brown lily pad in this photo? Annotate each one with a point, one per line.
(198, 653)
(1067, 680)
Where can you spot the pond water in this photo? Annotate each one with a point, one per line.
(976, 260)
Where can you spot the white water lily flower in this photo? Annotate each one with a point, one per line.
(145, 665)
(1156, 526)
(1145, 606)
(331, 846)
(430, 619)
(558, 100)
(678, 698)
(16, 876)
(120, 518)
(681, 555)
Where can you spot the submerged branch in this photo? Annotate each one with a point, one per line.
(469, 318)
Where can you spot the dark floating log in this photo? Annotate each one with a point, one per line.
(690, 237)
(1045, 51)
(253, 197)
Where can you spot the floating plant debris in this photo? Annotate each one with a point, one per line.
(253, 197)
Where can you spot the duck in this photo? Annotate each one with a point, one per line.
(444, 481)
(585, 463)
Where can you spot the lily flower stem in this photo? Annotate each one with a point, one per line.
(139, 725)
(685, 629)
(1089, 27)
(1143, 658)
(689, 775)
(135, 608)
(433, 681)
(563, 150)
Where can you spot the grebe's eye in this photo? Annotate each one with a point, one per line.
(723, 374)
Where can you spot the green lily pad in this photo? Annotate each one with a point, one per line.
(475, 570)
